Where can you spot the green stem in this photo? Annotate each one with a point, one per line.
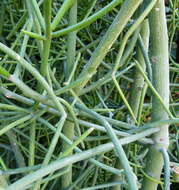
(154, 91)
(138, 84)
(160, 66)
(32, 144)
(166, 169)
(36, 25)
(144, 90)
(124, 98)
(47, 43)
(92, 160)
(51, 148)
(33, 35)
(38, 14)
(14, 124)
(63, 9)
(18, 69)
(17, 26)
(125, 13)
(144, 51)
(14, 145)
(107, 78)
(4, 72)
(68, 128)
(107, 185)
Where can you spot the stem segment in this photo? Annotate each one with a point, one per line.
(160, 66)
(68, 128)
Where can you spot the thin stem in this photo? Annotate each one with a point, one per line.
(138, 84)
(17, 26)
(63, 9)
(124, 99)
(38, 14)
(51, 148)
(18, 69)
(166, 169)
(31, 160)
(144, 51)
(14, 124)
(103, 186)
(36, 25)
(93, 161)
(44, 68)
(156, 94)
(33, 35)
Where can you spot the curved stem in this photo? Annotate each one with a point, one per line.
(44, 67)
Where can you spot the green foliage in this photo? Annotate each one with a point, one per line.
(68, 114)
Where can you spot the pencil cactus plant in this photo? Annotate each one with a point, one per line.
(88, 92)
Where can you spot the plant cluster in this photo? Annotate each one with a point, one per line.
(89, 94)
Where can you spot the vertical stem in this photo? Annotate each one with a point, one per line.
(117, 178)
(138, 78)
(31, 160)
(18, 69)
(32, 144)
(47, 43)
(71, 42)
(68, 128)
(18, 155)
(36, 26)
(160, 67)
(166, 169)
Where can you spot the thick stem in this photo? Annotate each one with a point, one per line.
(71, 42)
(160, 66)
(44, 68)
(125, 13)
(68, 128)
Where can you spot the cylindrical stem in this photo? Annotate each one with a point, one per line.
(160, 67)
(68, 128)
